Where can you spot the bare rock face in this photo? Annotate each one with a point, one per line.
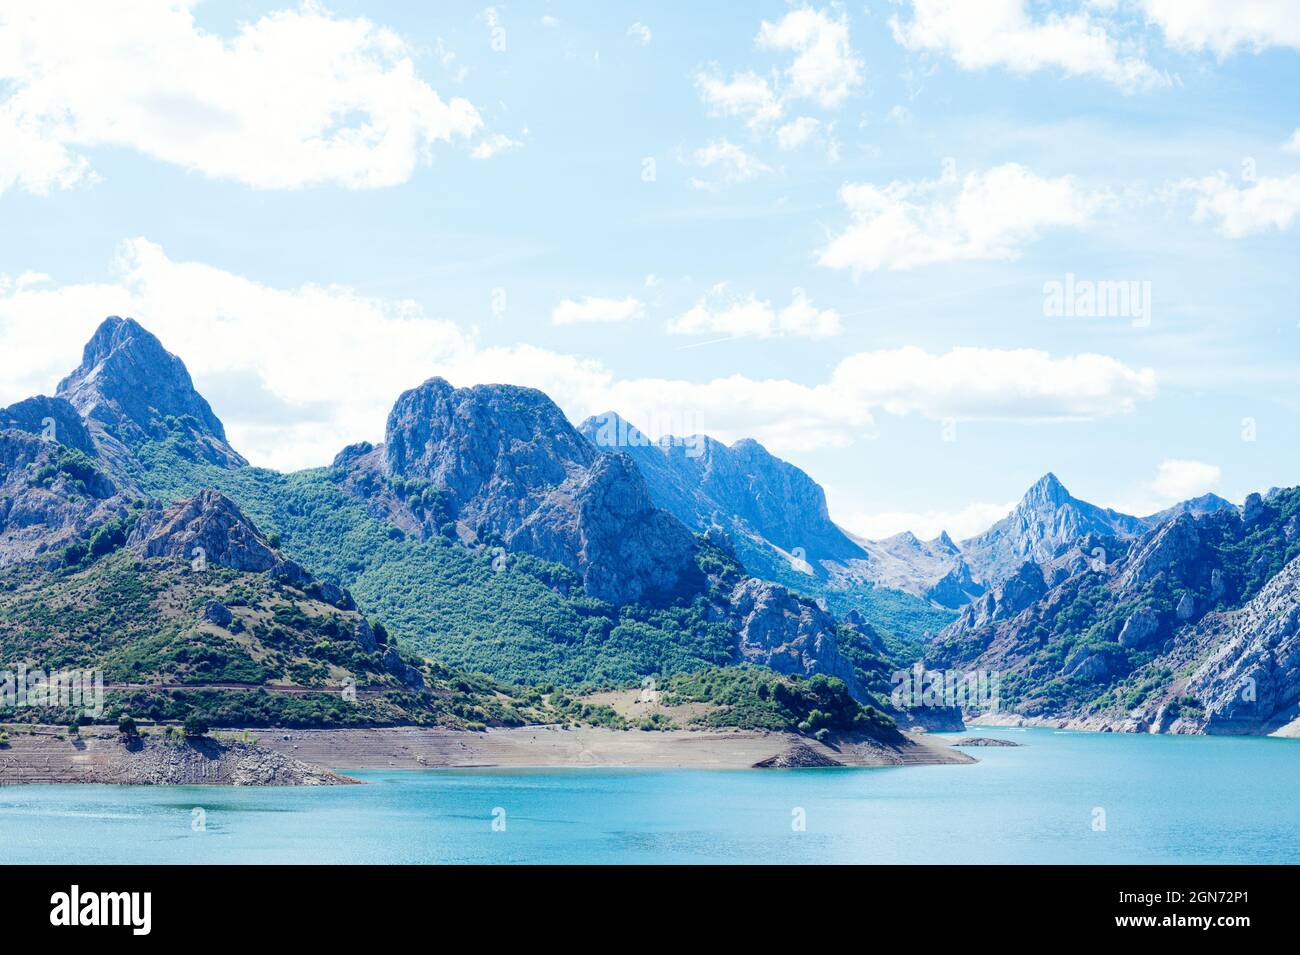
(785, 632)
(1174, 543)
(209, 528)
(1251, 682)
(214, 611)
(129, 389)
(604, 525)
(1139, 628)
(52, 419)
(1013, 595)
(754, 493)
(511, 470)
(497, 449)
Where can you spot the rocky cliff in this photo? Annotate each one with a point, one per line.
(1158, 636)
(128, 389)
(1047, 521)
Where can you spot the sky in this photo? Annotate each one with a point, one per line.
(926, 250)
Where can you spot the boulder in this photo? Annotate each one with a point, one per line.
(1141, 626)
(218, 613)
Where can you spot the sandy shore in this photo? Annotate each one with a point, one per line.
(50, 755)
(416, 748)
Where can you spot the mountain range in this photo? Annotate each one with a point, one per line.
(487, 532)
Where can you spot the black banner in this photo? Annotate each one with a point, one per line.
(142, 905)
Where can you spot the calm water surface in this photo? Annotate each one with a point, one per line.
(1164, 799)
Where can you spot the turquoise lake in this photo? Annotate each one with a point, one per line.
(1160, 799)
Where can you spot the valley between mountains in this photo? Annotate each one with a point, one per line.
(490, 567)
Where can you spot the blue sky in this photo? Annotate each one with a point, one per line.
(829, 227)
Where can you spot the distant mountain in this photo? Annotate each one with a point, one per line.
(1047, 521)
(743, 489)
(1158, 634)
(934, 569)
(776, 517)
(1196, 507)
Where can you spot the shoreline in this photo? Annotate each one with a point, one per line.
(278, 757)
(1103, 724)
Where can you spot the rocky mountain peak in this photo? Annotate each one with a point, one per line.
(463, 439)
(1047, 491)
(1047, 521)
(130, 389)
(766, 504)
(208, 528)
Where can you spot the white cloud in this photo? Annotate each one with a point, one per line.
(746, 94)
(988, 215)
(640, 32)
(297, 373)
(722, 313)
(1178, 480)
(798, 131)
(296, 98)
(489, 146)
(1292, 145)
(1225, 28)
(1239, 211)
(825, 69)
(989, 33)
(596, 310)
(729, 162)
(992, 384)
(974, 518)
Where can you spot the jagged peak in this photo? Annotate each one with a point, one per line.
(208, 527)
(129, 385)
(436, 430)
(946, 542)
(906, 538)
(1048, 489)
